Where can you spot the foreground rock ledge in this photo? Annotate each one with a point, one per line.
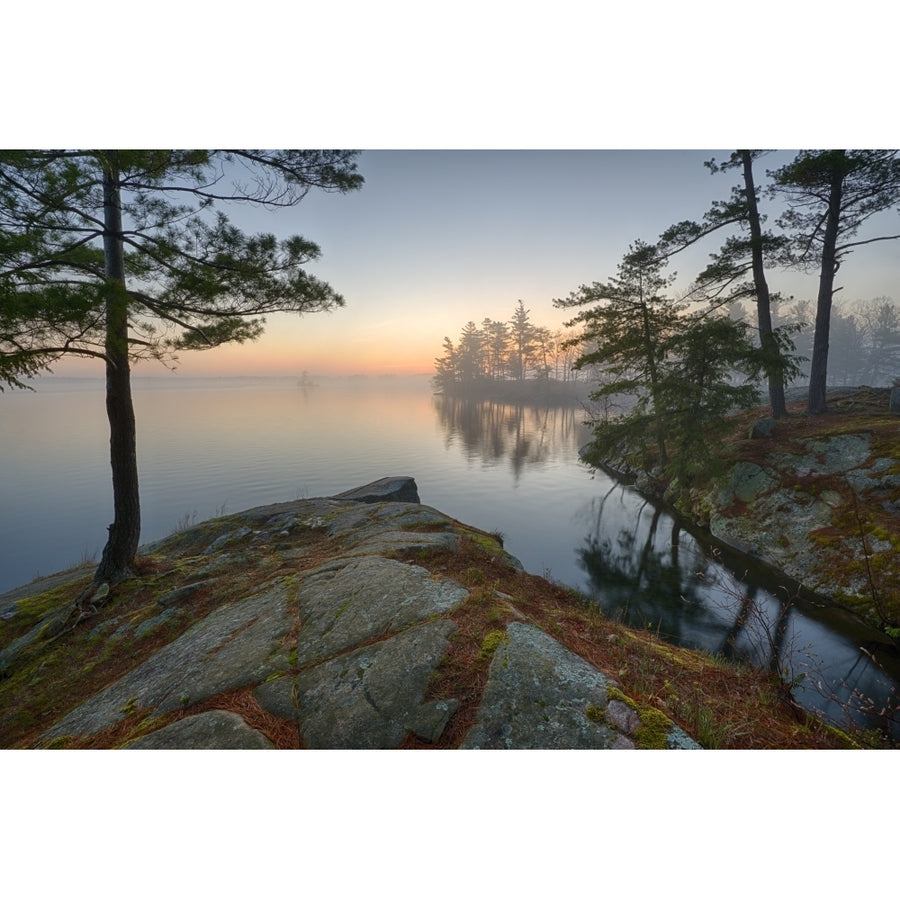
(342, 653)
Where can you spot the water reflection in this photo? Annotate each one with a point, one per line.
(647, 570)
(512, 467)
(528, 436)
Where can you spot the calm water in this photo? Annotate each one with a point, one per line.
(213, 446)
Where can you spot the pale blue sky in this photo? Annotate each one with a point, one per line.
(436, 238)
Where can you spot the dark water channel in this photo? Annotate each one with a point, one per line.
(649, 569)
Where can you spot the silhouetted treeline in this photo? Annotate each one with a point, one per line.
(513, 352)
(865, 349)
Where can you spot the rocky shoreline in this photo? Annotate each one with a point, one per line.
(318, 624)
(818, 500)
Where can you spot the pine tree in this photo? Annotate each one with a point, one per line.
(629, 322)
(470, 356)
(712, 369)
(831, 193)
(725, 280)
(521, 342)
(120, 255)
(496, 343)
(446, 369)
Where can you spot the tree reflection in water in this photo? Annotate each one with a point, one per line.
(647, 571)
(641, 574)
(525, 434)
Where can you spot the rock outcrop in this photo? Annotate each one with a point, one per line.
(824, 513)
(814, 497)
(330, 621)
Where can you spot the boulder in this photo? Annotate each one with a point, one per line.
(747, 482)
(399, 488)
(762, 428)
(542, 696)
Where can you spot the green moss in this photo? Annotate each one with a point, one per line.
(842, 736)
(487, 541)
(596, 713)
(653, 731)
(882, 534)
(342, 609)
(31, 610)
(652, 734)
(825, 538)
(492, 640)
(613, 693)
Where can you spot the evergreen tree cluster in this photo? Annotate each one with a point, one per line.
(683, 364)
(667, 377)
(515, 350)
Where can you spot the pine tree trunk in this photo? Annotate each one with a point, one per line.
(124, 533)
(650, 358)
(819, 365)
(763, 307)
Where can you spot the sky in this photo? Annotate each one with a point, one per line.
(436, 238)
(442, 233)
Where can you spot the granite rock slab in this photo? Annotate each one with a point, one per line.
(372, 697)
(542, 696)
(237, 645)
(537, 697)
(398, 488)
(350, 601)
(214, 730)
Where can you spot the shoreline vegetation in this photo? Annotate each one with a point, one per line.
(820, 513)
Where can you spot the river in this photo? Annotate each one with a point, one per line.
(218, 445)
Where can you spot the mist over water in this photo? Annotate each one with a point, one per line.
(214, 446)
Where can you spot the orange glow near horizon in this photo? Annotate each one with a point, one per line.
(320, 346)
(278, 353)
(382, 339)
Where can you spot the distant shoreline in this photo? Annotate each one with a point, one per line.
(530, 391)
